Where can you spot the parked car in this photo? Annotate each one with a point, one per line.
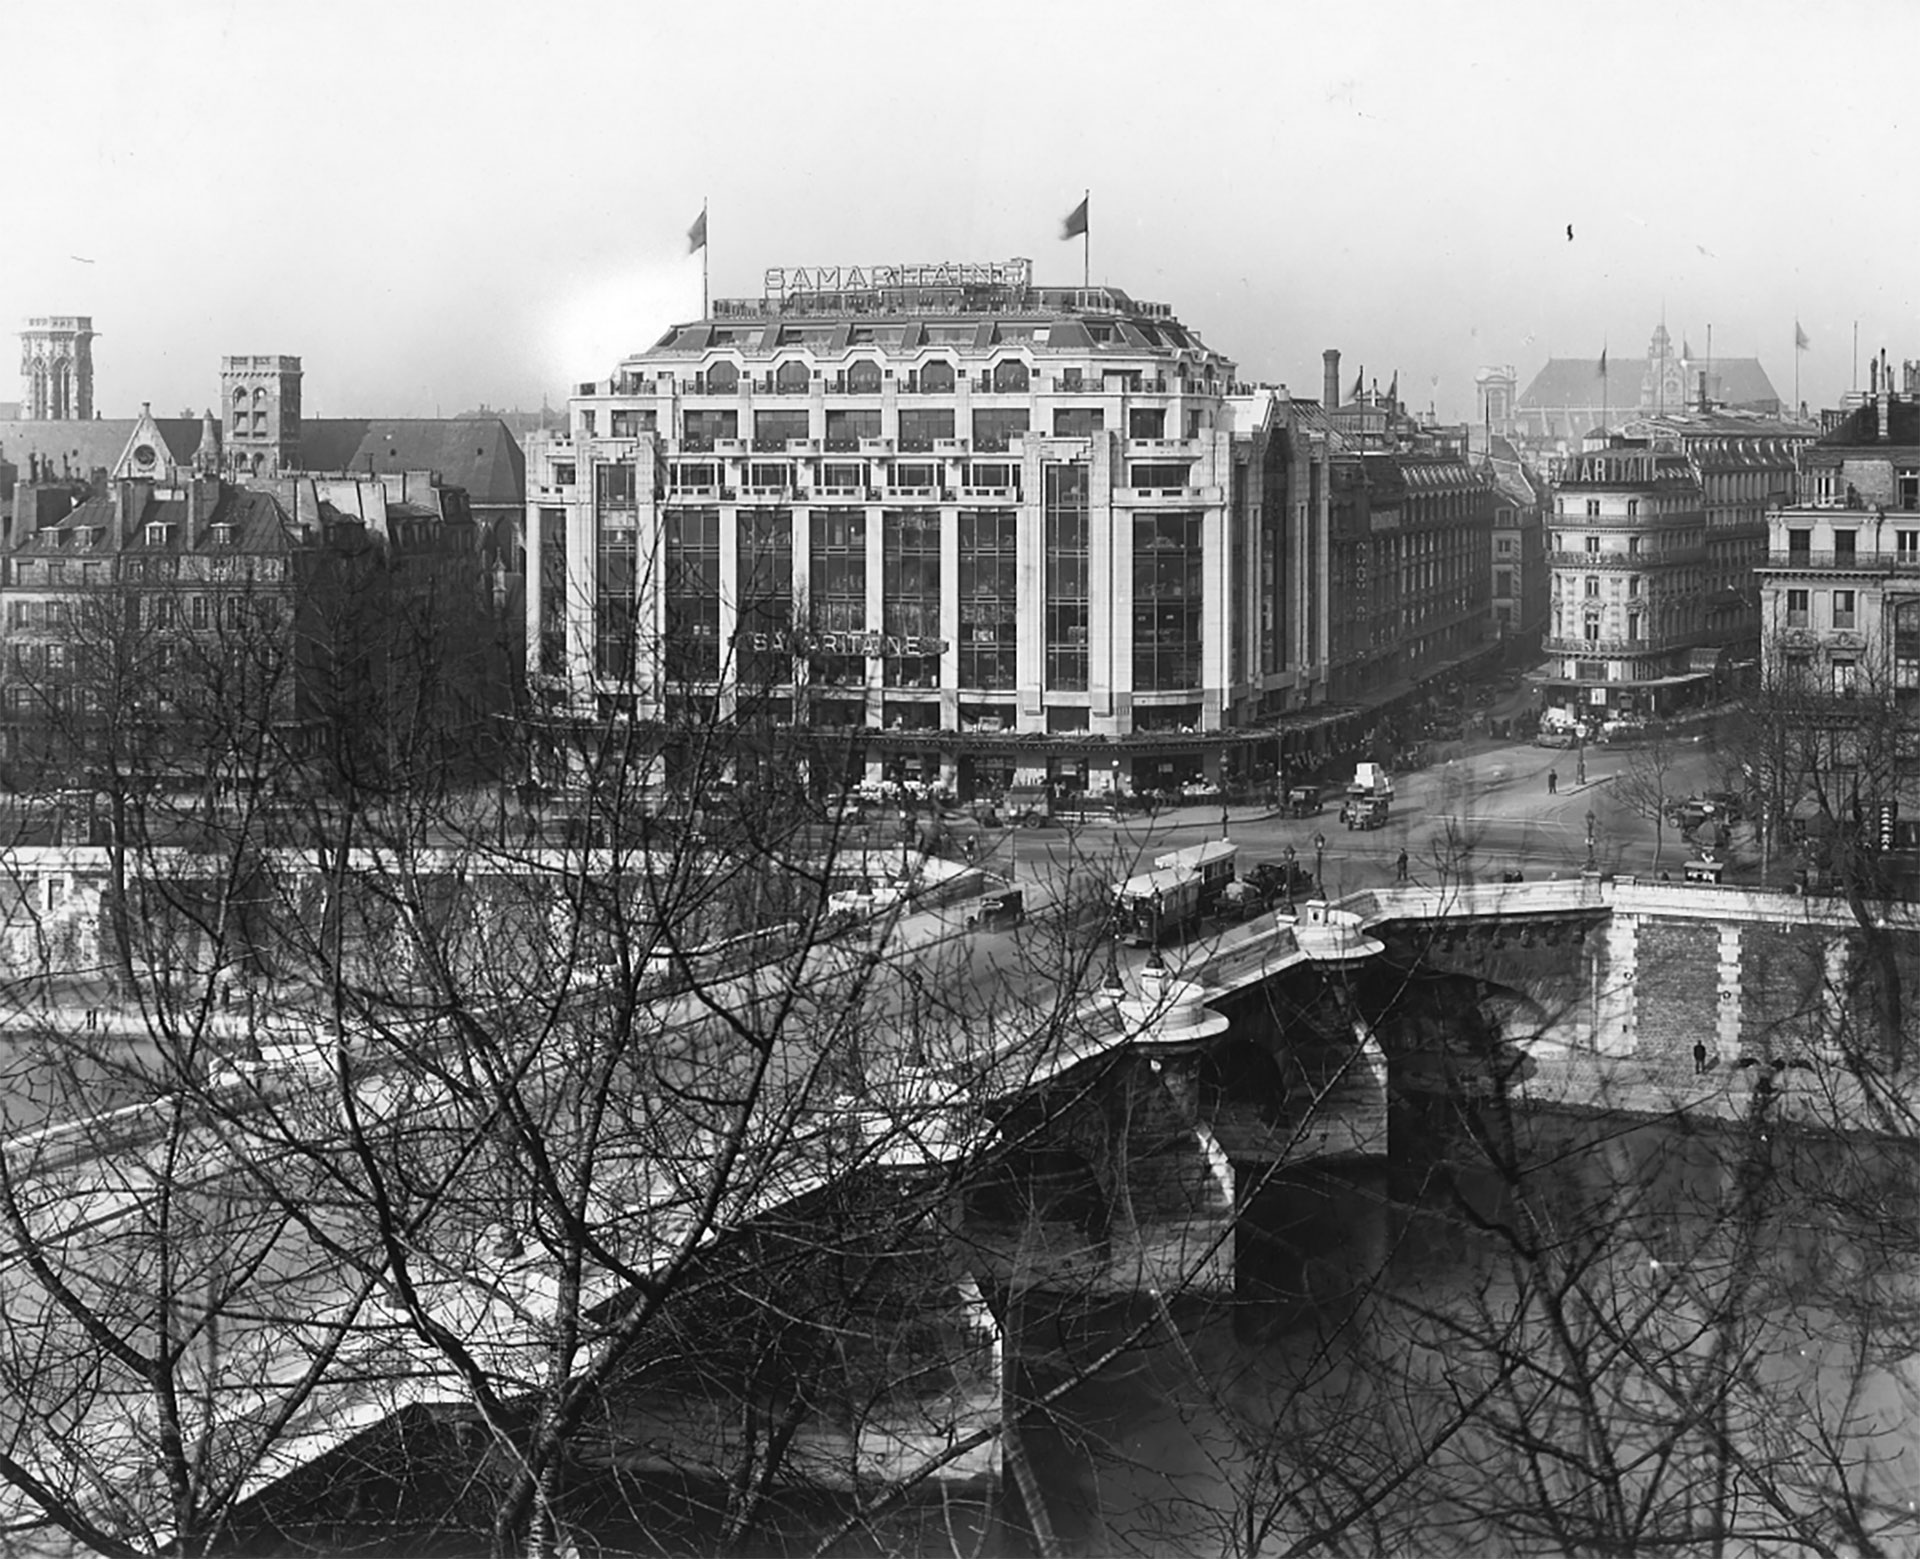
(1555, 736)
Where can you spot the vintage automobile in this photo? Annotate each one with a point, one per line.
(1303, 801)
(1364, 812)
(998, 911)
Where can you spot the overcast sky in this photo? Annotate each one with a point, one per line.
(437, 205)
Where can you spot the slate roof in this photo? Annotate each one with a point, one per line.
(1575, 381)
(82, 448)
(259, 525)
(1862, 426)
(477, 453)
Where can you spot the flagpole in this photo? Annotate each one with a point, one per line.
(1796, 368)
(1086, 241)
(703, 256)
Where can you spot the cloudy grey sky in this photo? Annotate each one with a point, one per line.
(443, 204)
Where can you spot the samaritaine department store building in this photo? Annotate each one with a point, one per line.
(1012, 533)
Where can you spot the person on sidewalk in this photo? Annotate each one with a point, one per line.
(1400, 866)
(1553, 782)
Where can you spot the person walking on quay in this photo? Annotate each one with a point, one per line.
(1400, 866)
(1553, 782)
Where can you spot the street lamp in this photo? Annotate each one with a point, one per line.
(1289, 885)
(1590, 865)
(1223, 812)
(1319, 860)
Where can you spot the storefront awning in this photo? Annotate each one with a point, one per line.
(1707, 659)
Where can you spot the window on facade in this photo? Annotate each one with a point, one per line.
(840, 474)
(772, 429)
(769, 474)
(1593, 546)
(993, 430)
(1843, 609)
(1907, 490)
(837, 594)
(1633, 508)
(699, 429)
(692, 595)
(1907, 546)
(1171, 475)
(197, 611)
(1799, 544)
(723, 378)
(937, 379)
(993, 474)
(1633, 584)
(553, 590)
(589, 423)
(791, 378)
(1844, 544)
(910, 596)
(1592, 630)
(158, 534)
(1797, 608)
(1592, 587)
(764, 557)
(919, 427)
(915, 474)
(1147, 422)
(1065, 538)
(1906, 646)
(1503, 546)
(846, 427)
(989, 598)
(863, 376)
(632, 423)
(613, 485)
(1503, 581)
(1166, 601)
(1843, 678)
(1633, 626)
(1078, 421)
(1633, 546)
(1593, 508)
(562, 473)
(1010, 376)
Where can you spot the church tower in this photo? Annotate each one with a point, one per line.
(56, 368)
(260, 404)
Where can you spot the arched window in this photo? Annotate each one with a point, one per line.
(723, 378)
(1010, 374)
(937, 378)
(240, 397)
(259, 394)
(791, 376)
(863, 376)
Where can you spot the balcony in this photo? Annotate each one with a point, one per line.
(803, 446)
(952, 446)
(1670, 558)
(729, 446)
(1009, 494)
(1852, 562)
(1187, 448)
(876, 446)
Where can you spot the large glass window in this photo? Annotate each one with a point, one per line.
(553, 591)
(1065, 490)
(837, 595)
(763, 650)
(846, 427)
(613, 485)
(989, 597)
(1166, 601)
(920, 427)
(910, 596)
(993, 429)
(700, 428)
(693, 595)
(1906, 646)
(772, 429)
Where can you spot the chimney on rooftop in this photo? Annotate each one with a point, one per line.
(1330, 385)
(1705, 404)
(1883, 401)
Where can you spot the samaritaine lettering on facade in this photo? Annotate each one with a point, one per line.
(783, 281)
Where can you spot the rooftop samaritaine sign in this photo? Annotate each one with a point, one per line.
(785, 281)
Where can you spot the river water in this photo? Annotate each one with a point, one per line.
(1543, 1333)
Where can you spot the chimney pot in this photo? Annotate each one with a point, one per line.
(1330, 392)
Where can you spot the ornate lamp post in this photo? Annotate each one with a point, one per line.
(1590, 864)
(1319, 863)
(1289, 883)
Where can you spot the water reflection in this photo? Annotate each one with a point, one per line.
(1527, 1333)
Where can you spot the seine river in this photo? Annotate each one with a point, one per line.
(1543, 1334)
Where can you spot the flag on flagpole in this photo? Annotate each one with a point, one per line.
(1800, 341)
(1603, 362)
(1076, 222)
(697, 234)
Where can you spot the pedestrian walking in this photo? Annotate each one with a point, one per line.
(1553, 782)
(1400, 866)
(1699, 1058)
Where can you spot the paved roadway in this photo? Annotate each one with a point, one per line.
(1479, 816)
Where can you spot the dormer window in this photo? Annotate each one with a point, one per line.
(222, 535)
(158, 533)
